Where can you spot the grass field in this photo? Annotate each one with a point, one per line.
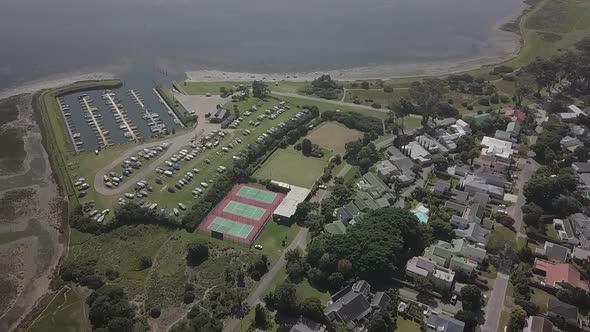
(290, 166)
(333, 136)
(368, 97)
(404, 324)
(500, 237)
(324, 106)
(66, 313)
(203, 88)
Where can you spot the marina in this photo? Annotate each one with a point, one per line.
(130, 131)
(153, 119)
(94, 121)
(170, 111)
(75, 136)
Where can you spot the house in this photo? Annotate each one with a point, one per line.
(513, 128)
(581, 254)
(461, 127)
(432, 145)
(576, 110)
(567, 117)
(579, 130)
(495, 153)
(441, 322)
(570, 143)
(372, 184)
(504, 136)
(218, 115)
(556, 273)
(352, 304)
(459, 222)
(347, 212)
(336, 228)
(480, 118)
(515, 115)
(441, 188)
(474, 233)
(538, 324)
(417, 153)
(421, 266)
(481, 199)
(554, 252)
(473, 184)
(561, 310)
(389, 170)
(491, 177)
(575, 229)
(385, 169)
(307, 325)
(565, 231)
(459, 256)
(581, 167)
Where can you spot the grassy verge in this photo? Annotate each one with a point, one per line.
(66, 313)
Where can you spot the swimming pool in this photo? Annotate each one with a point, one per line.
(421, 212)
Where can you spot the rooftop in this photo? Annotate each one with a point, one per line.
(440, 322)
(556, 273)
(289, 204)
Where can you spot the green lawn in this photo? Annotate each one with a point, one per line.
(202, 88)
(407, 325)
(272, 236)
(325, 106)
(368, 97)
(65, 313)
(541, 298)
(290, 166)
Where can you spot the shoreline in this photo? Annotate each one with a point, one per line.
(503, 46)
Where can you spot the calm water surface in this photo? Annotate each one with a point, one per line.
(44, 37)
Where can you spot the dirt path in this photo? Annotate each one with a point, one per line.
(30, 239)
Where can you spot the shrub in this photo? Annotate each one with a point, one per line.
(484, 101)
(198, 252)
(470, 107)
(495, 99)
(388, 88)
(464, 104)
(155, 312)
(376, 105)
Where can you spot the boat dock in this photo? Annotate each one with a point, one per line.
(74, 135)
(170, 111)
(93, 120)
(153, 119)
(120, 115)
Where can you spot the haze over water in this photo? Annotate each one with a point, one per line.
(40, 37)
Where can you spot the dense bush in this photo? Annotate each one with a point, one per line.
(323, 87)
(356, 121)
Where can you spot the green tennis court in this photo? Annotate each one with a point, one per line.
(230, 227)
(256, 194)
(244, 210)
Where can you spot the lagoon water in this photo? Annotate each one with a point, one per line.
(40, 37)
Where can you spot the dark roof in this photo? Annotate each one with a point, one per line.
(556, 252)
(539, 324)
(562, 309)
(347, 212)
(380, 300)
(442, 186)
(481, 198)
(351, 306)
(362, 287)
(307, 325)
(581, 167)
(442, 322)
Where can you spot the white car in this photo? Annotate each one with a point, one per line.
(258, 246)
(182, 206)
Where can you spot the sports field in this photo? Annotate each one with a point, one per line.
(290, 166)
(244, 210)
(256, 194)
(231, 227)
(242, 213)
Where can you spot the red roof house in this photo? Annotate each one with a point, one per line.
(515, 115)
(556, 273)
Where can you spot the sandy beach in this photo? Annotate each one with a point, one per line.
(53, 82)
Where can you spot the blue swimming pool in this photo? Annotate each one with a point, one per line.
(421, 212)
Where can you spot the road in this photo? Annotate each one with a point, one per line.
(265, 282)
(495, 304)
(327, 101)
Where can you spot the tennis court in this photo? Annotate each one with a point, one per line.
(244, 210)
(230, 227)
(256, 194)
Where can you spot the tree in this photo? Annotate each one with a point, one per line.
(423, 284)
(313, 308)
(381, 322)
(336, 281)
(544, 72)
(260, 89)
(286, 299)
(566, 205)
(306, 147)
(296, 265)
(441, 163)
(342, 192)
(399, 111)
(260, 317)
(442, 230)
(427, 95)
(517, 319)
(531, 214)
(145, 262)
(469, 318)
(521, 91)
(198, 252)
(472, 298)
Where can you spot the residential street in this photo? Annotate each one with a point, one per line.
(254, 297)
(493, 309)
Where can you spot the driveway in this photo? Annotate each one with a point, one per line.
(495, 305)
(265, 282)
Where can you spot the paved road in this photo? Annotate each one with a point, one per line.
(515, 210)
(333, 102)
(254, 297)
(495, 305)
